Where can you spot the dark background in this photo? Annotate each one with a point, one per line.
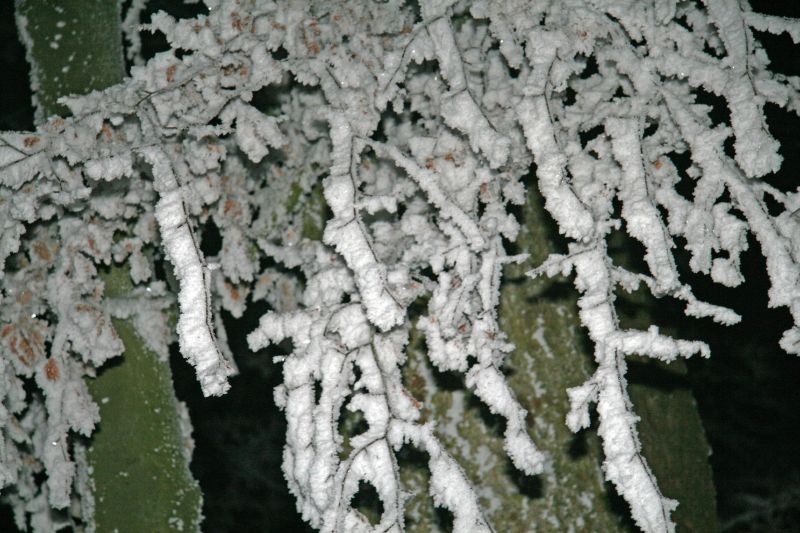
(748, 393)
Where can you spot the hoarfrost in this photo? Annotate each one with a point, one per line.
(417, 167)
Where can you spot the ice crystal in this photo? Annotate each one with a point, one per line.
(419, 125)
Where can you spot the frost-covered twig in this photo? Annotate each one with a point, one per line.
(196, 322)
(273, 109)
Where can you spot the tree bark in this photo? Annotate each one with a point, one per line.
(553, 354)
(138, 456)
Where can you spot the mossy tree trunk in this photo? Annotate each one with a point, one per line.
(137, 455)
(553, 354)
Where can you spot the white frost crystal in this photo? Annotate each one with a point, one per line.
(196, 322)
(415, 127)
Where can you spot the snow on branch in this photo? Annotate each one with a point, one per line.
(782, 265)
(427, 182)
(196, 322)
(374, 181)
(624, 464)
(345, 232)
(459, 108)
(572, 217)
(773, 24)
(641, 217)
(756, 150)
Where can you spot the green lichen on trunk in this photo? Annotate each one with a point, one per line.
(674, 442)
(552, 354)
(138, 455)
(73, 48)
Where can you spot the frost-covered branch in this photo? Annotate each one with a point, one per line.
(417, 129)
(196, 322)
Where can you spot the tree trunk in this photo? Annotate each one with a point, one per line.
(138, 456)
(553, 354)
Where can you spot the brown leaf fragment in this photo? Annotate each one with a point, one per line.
(51, 371)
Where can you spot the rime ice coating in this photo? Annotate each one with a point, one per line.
(414, 128)
(195, 322)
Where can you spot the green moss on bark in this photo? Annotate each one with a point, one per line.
(138, 456)
(552, 354)
(73, 48)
